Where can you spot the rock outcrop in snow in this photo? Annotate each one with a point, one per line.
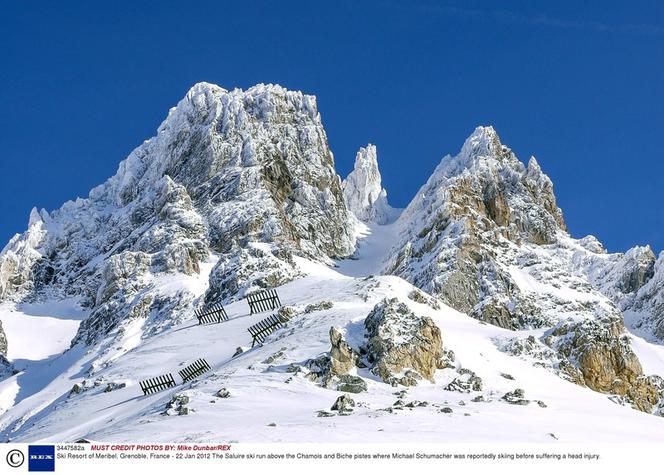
(606, 360)
(398, 346)
(402, 348)
(5, 365)
(634, 281)
(363, 192)
(243, 178)
(3, 342)
(343, 358)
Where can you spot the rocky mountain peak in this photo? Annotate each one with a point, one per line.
(475, 205)
(243, 178)
(489, 186)
(481, 151)
(38, 217)
(483, 142)
(533, 166)
(363, 192)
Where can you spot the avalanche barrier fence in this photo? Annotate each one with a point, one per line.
(194, 370)
(214, 314)
(262, 329)
(154, 385)
(263, 301)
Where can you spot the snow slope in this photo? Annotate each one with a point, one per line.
(263, 394)
(373, 245)
(27, 324)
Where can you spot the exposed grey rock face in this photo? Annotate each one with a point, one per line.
(619, 276)
(634, 281)
(402, 347)
(475, 206)
(638, 268)
(243, 178)
(3, 342)
(363, 192)
(540, 355)
(647, 305)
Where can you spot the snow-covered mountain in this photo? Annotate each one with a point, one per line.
(486, 306)
(227, 171)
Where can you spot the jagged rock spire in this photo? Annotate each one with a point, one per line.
(363, 192)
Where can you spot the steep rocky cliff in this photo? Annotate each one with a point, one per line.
(635, 282)
(646, 309)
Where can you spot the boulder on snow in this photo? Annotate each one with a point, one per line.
(77, 388)
(351, 384)
(317, 307)
(516, 397)
(223, 393)
(113, 386)
(343, 404)
(178, 405)
(466, 382)
(402, 347)
(342, 357)
(275, 356)
(420, 297)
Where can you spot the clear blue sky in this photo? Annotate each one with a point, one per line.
(580, 85)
